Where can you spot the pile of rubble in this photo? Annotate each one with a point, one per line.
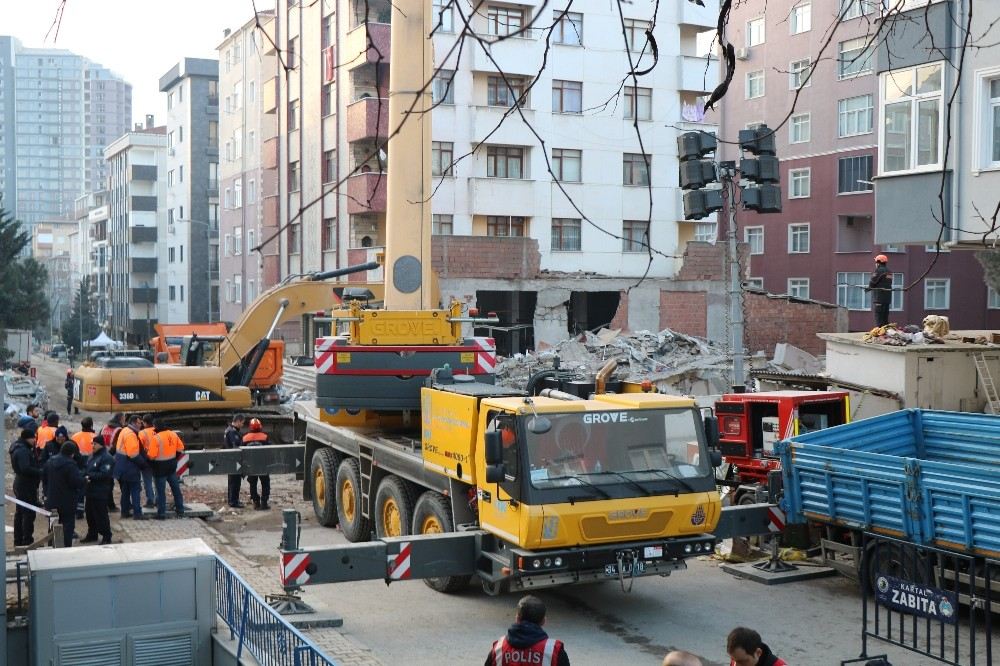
(935, 330)
(676, 363)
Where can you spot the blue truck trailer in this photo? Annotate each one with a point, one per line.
(927, 477)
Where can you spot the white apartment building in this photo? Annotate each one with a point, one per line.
(507, 237)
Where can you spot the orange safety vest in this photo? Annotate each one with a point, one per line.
(128, 443)
(44, 435)
(85, 441)
(543, 653)
(255, 438)
(145, 440)
(164, 445)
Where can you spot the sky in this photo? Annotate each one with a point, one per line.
(139, 41)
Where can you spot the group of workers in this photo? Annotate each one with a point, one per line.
(77, 473)
(526, 642)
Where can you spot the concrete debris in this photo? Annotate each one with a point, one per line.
(791, 358)
(892, 335)
(676, 363)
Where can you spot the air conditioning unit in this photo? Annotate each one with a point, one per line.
(743, 53)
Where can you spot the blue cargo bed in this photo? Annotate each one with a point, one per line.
(926, 476)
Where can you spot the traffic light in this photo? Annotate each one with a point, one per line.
(695, 174)
(762, 198)
(695, 145)
(763, 169)
(699, 204)
(758, 141)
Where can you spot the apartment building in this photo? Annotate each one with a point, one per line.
(243, 127)
(136, 227)
(90, 252)
(190, 272)
(59, 111)
(506, 237)
(828, 106)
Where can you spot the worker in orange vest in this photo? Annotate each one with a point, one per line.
(145, 435)
(164, 447)
(129, 463)
(47, 431)
(85, 438)
(257, 437)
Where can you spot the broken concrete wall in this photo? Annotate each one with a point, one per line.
(772, 319)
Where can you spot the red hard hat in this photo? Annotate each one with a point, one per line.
(881, 258)
(255, 425)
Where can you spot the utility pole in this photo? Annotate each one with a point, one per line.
(727, 172)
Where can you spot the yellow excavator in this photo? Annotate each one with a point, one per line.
(213, 378)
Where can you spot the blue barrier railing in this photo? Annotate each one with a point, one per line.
(258, 628)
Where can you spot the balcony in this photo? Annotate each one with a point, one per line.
(697, 74)
(357, 43)
(144, 265)
(517, 55)
(486, 121)
(144, 295)
(366, 193)
(142, 234)
(690, 14)
(362, 117)
(144, 172)
(502, 196)
(269, 95)
(141, 204)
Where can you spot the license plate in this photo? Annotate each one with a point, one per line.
(611, 570)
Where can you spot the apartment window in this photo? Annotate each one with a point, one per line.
(237, 288)
(504, 162)
(566, 165)
(706, 232)
(854, 174)
(852, 291)
(252, 91)
(635, 235)
(237, 194)
(293, 115)
(798, 287)
(937, 293)
(170, 139)
(330, 233)
(442, 225)
(251, 291)
(850, 9)
(800, 19)
(855, 58)
(326, 99)
(295, 238)
(250, 240)
(293, 177)
(911, 116)
(213, 93)
(754, 237)
(236, 95)
(503, 225)
(442, 156)
(180, 134)
(170, 177)
(237, 241)
(755, 31)
(445, 18)
(991, 123)
(992, 298)
(170, 255)
(505, 93)
(293, 44)
(568, 29)
(567, 96)
(635, 34)
(182, 293)
(854, 116)
(170, 101)
(227, 199)
(635, 169)
(798, 238)
(251, 191)
(443, 90)
(229, 291)
(897, 292)
(213, 131)
(641, 99)
(180, 173)
(755, 84)
(329, 166)
(798, 73)
(328, 31)
(502, 21)
(227, 245)
(172, 290)
(800, 128)
(801, 183)
(565, 234)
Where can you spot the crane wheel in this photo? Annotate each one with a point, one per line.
(348, 492)
(393, 507)
(323, 471)
(432, 515)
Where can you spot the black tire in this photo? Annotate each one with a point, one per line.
(354, 525)
(393, 512)
(890, 558)
(323, 472)
(431, 515)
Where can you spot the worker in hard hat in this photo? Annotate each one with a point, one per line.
(880, 286)
(257, 437)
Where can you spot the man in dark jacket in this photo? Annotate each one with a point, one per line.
(526, 642)
(234, 440)
(100, 478)
(745, 648)
(881, 287)
(65, 483)
(69, 384)
(27, 476)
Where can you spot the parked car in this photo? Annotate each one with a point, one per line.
(59, 351)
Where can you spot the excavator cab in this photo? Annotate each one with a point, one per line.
(197, 350)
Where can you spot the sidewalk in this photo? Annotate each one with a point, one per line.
(263, 579)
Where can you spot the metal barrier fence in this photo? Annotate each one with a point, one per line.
(259, 629)
(928, 601)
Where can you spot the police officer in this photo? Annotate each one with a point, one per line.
(129, 463)
(27, 476)
(257, 437)
(65, 484)
(164, 445)
(234, 440)
(526, 642)
(100, 480)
